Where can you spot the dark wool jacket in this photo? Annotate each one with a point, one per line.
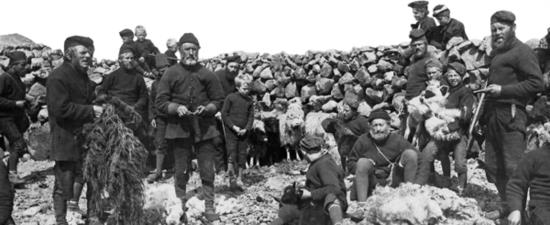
(6, 189)
(417, 77)
(155, 112)
(227, 81)
(427, 25)
(461, 97)
(69, 99)
(516, 69)
(325, 177)
(172, 58)
(533, 174)
(11, 89)
(146, 47)
(358, 125)
(132, 45)
(238, 110)
(128, 86)
(191, 87)
(365, 147)
(442, 34)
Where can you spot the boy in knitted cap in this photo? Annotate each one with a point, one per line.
(237, 115)
(323, 200)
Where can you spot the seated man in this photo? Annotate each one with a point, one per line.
(380, 149)
(323, 201)
(460, 97)
(533, 174)
(447, 29)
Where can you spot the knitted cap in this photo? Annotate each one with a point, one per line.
(189, 38)
(379, 114)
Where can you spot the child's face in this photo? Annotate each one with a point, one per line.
(140, 36)
(127, 39)
(433, 73)
(453, 78)
(244, 88)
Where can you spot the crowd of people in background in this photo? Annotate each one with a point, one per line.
(208, 110)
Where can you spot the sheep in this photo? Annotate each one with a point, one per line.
(291, 126)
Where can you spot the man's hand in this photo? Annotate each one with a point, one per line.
(20, 103)
(182, 110)
(218, 115)
(141, 59)
(98, 110)
(241, 132)
(236, 129)
(199, 110)
(305, 194)
(494, 89)
(514, 218)
(153, 123)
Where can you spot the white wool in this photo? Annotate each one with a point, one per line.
(164, 197)
(291, 123)
(258, 124)
(313, 123)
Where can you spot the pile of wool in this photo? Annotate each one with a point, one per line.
(415, 204)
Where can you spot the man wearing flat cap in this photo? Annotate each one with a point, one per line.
(69, 99)
(13, 119)
(514, 80)
(447, 29)
(462, 98)
(421, 15)
(190, 95)
(376, 151)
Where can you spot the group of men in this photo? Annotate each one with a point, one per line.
(187, 96)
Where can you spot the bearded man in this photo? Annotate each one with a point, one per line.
(377, 150)
(190, 95)
(227, 75)
(514, 79)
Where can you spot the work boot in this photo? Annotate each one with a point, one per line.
(156, 176)
(234, 185)
(211, 215)
(15, 179)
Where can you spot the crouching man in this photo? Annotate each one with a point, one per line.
(323, 201)
(533, 174)
(375, 152)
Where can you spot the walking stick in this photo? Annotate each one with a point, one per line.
(475, 118)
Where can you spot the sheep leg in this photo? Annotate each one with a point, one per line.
(298, 156)
(257, 161)
(287, 153)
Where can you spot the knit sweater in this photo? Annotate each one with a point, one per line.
(325, 177)
(238, 110)
(128, 86)
(516, 69)
(417, 77)
(11, 89)
(461, 97)
(533, 173)
(366, 147)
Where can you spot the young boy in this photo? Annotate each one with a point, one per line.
(237, 116)
(146, 47)
(434, 69)
(127, 37)
(323, 200)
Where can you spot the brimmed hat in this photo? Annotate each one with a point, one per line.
(311, 144)
(418, 4)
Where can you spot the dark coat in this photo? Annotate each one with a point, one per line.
(324, 177)
(129, 87)
(11, 89)
(441, 35)
(238, 110)
(461, 97)
(227, 81)
(69, 97)
(417, 77)
(191, 87)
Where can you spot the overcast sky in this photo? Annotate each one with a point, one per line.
(271, 26)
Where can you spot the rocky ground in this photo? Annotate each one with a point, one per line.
(33, 204)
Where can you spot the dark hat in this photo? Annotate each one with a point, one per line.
(433, 63)
(16, 56)
(234, 58)
(161, 60)
(311, 143)
(418, 4)
(438, 9)
(503, 16)
(78, 40)
(189, 38)
(125, 50)
(379, 114)
(126, 32)
(458, 67)
(417, 34)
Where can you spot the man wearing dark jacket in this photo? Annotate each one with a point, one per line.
(423, 20)
(69, 98)
(227, 75)
(461, 98)
(533, 175)
(514, 79)
(378, 149)
(416, 71)
(13, 120)
(447, 29)
(190, 95)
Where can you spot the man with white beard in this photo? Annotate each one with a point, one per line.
(190, 95)
(514, 80)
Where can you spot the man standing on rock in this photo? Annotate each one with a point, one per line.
(514, 79)
(421, 15)
(69, 98)
(190, 95)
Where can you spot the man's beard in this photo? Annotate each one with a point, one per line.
(190, 60)
(506, 40)
(380, 135)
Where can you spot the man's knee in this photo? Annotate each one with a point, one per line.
(409, 156)
(364, 166)
(460, 167)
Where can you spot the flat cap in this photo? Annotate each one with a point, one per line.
(16, 56)
(311, 143)
(78, 40)
(126, 32)
(458, 67)
(433, 63)
(416, 34)
(234, 58)
(126, 50)
(189, 38)
(438, 9)
(379, 114)
(419, 4)
(503, 16)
